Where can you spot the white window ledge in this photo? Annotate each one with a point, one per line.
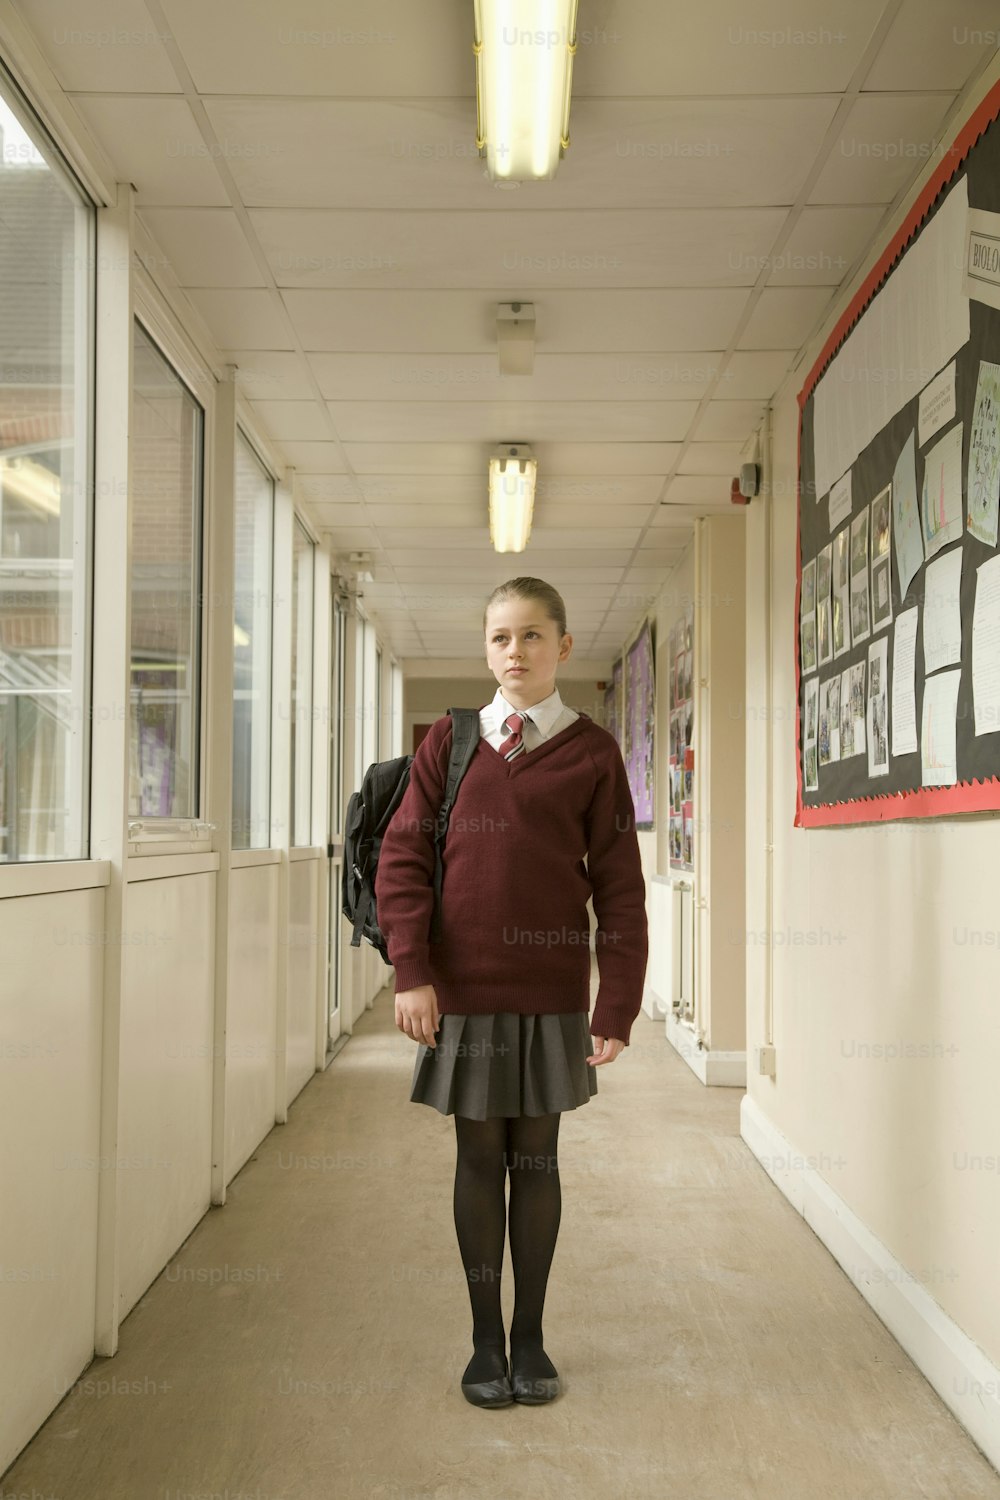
(243, 859)
(169, 866)
(49, 877)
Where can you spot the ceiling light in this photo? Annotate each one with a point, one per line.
(513, 470)
(524, 79)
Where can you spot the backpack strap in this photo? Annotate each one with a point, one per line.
(465, 738)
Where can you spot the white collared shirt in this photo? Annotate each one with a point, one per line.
(541, 720)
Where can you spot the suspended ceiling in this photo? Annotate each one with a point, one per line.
(308, 171)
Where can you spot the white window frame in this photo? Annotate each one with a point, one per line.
(19, 99)
(154, 835)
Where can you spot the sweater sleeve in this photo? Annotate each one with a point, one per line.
(404, 879)
(615, 868)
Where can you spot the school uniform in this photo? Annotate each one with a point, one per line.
(512, 969)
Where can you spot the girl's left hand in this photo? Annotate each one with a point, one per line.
(608, 1048)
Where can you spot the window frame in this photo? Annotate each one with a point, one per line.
(18, 101)
(245, 431)
(149, 834)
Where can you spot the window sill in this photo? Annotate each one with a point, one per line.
(170, 866)
(50, 877)
(306, 851)
(245, 859)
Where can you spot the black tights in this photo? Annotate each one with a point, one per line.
(526, 1147)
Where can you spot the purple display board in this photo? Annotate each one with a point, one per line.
(640, 712)
(680, 661)
(612, 703)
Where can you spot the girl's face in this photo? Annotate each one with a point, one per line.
(520, 634)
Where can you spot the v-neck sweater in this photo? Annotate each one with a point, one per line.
(529, 841)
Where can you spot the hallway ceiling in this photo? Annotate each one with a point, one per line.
(308, 170)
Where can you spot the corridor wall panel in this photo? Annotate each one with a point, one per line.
(252, 1016)
(50, 1073)
(166, 1074)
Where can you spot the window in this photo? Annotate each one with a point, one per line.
(167, 464)
(378, 704)
(254, 520)
(47, 264)
(302, 638)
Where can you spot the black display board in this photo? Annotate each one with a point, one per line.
(847, 792)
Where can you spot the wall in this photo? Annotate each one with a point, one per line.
(884, 937)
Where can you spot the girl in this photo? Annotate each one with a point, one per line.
(499, 1007)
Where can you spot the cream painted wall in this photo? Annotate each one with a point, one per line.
(884, 937)
(306, 936)
(165, 1154)
(251, 1020)
(50, 1165)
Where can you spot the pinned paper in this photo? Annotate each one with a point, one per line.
(937, 404)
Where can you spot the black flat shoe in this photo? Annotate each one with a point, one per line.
(496, 1392)
(533, 1390)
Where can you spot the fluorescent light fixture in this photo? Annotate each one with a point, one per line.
(513, 470)
(524, 79)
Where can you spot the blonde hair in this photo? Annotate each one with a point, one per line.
(530, 588)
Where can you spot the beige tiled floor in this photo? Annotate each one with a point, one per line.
(307, 1340)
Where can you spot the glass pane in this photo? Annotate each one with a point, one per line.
(46, 272)
(252, 651)
(166, 570)
(302, 635)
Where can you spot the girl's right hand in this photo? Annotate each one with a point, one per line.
(417, 1014)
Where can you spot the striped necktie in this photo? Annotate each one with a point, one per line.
(515, 744)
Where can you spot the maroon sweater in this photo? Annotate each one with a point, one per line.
(515, 930)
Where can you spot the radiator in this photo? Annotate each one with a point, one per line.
(670, 972)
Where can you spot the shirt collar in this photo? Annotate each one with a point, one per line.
(543, 714)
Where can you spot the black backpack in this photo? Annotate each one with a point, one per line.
(369, 813)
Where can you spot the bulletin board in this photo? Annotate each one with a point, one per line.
(897, 606)
(640, 716)
(680, 658)
(612, 702)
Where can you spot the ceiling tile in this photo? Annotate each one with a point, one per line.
(886, 138)
(824, 245)
(154, 143)
(527, 252)
(935, 46)
(429, 322)
(265, 374)
(107, 46)
(421, 153)
(294, 420)
(251, 318)
(205, 246)
(510, 421)
(729, 420)
(720, 46)
(783, 317)
(311, 47)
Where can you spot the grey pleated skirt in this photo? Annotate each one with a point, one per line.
(506, 1064)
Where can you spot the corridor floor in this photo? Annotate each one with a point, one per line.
(307, 1340)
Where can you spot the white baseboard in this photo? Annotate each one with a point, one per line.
(716, 1069)
(965, 1379)
(652, 1005)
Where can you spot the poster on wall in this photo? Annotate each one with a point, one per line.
(680, 656)
(612, 703)
(899, 702)
(640, 712)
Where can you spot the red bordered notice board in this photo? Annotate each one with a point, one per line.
(897, 601)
